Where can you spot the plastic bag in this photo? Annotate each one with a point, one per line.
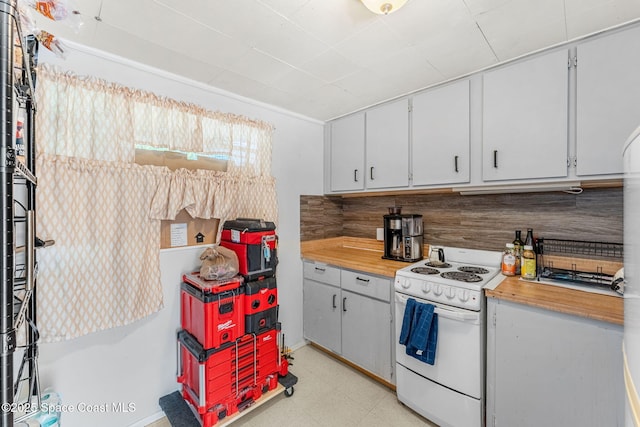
(52, 43)
(218, 263)
(58, 10)
(45, 38)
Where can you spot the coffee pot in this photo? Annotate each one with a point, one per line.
(402, 236)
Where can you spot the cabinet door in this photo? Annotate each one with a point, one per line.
(321, 314)
(347, 153)
(366, 332)
(525, 119)
(608, 101)
(440, 130)
(552, 369)
(388, 146)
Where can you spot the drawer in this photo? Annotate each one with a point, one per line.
(365, 284)
(322, 273)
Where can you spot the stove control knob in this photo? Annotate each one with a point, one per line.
(437, 290)
(450, 293)
(426, 287)
(463, 294)
(406, 284)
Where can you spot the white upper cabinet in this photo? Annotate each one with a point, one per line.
(347, 153)
(525, 119)
(537, 120)
(608, 100)
(387, 148)
(440, 135)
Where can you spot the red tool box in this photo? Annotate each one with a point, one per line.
(255, 242)
(224, 377)
(261, 321)
(260, 295)
(211, 310)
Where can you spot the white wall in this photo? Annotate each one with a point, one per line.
(137, 363)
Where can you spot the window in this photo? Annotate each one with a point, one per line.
(176, 159)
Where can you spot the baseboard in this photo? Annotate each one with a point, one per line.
(298, 345)
(354, 366)
(150, 419)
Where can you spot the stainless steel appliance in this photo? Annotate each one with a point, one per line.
(451, 391)
(403, 237)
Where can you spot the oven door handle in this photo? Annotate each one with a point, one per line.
(455, 315)
(461, 316)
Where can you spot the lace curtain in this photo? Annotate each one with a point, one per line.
(104, 211)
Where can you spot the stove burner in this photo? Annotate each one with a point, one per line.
(461, 276)
(438, 264)
(425, 270)
(476, 270)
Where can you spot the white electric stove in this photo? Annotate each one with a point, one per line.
(451, 391)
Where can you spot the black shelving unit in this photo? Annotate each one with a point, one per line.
(601, 250)
(18, 56)
(595, 251)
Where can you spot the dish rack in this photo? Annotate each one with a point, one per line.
(594, 257)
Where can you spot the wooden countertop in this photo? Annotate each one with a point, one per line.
(555, 298)
(351, 252)
(366, 255)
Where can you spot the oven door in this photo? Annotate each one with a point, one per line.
(459, 362)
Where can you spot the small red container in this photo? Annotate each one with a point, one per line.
(260, 295)
(212, 311)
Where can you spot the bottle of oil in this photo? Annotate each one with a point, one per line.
(517, 249)
(529, 239)
(529, 263)
(509, 261)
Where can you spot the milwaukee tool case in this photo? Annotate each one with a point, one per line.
(223, 378)
(256, 244)
(260, 295)
(211, 310)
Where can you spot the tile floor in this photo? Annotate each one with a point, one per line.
(331, 394)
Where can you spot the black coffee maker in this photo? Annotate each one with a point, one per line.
(402, 236)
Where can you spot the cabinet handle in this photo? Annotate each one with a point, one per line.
(321, 270)
(371, 173)
(455, 163)
(495, 159)
(334, 302)
(344, 304)
(362, 280)
(355, 175)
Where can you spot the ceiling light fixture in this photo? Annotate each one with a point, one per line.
(383, 7)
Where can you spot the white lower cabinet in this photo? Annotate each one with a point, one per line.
(322, 319)
(552, 369)
(352, 319)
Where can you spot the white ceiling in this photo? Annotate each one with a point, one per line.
(326, 58)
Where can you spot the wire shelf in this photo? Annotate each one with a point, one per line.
(614, 251)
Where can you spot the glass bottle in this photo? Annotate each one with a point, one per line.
(529, 239)
(509, 261)
(528, 263)
(517, 248)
